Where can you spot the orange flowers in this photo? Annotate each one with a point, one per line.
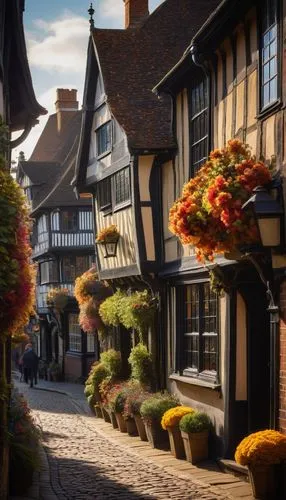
(209, 214)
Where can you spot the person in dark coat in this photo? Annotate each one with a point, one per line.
(30, 364)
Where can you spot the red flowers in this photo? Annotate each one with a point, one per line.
(209, 213)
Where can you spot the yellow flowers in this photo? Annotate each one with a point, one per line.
(262, 448)
(173, 416)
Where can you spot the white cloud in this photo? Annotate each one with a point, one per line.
(60, 45)
(111, 9)
(47, 100)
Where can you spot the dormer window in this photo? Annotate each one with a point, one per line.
(103, 139)
(69, 220)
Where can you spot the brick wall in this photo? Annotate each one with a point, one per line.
(282, 385)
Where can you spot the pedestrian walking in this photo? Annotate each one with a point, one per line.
(30, 365)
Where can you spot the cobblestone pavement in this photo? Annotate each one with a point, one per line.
(85, 465)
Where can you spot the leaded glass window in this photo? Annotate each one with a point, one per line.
(269, 54)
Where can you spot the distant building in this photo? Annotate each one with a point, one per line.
(62, 238)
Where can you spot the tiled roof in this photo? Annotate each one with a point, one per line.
(53, 146)
(51, 165)
(134, 60)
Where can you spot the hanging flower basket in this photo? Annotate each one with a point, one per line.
(209, 213)
(57, 298)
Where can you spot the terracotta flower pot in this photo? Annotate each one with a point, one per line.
(140, 427)
(113, 419)
(121, 422)
(98, 412)
(176, 442)
(105, 414)
(157, 437)
(196, 446)
(131, 427)
(262, 480)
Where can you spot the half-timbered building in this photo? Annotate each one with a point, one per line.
(221, 354)
(126, 134)
(62, 238)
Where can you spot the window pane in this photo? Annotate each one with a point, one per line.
(75, 342)
(269, 91)
(199, 125)
(209, 335)
(69, 220)
(49, 272)
(122, 186)
(273, 90)
(69, 269)
(104, 194)
(103, 139)
(90, 342)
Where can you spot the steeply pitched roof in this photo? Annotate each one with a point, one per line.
(24, 108)
(53, 146)
(51, 165)
(134, 60)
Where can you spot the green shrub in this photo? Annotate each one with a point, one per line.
(98, 372)
(195, 422)
(141, 364)
(111, 360)
(154, 407)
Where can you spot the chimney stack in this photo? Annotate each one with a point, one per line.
(136, 11)
(66, 105)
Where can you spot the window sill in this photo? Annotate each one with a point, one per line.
(269, 110)
(74, 353)
(102, 155)
(195, 381)
(121, 206)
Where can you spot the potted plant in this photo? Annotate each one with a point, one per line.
(152, 411)
(136, 394)
(116, 399)
(170, 422)
(261, 452)
(97, 374)
(104, 388)
(195, 428)
(54, 371)
(209, 213)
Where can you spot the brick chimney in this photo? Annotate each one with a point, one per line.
(136, 11)
(66, 105)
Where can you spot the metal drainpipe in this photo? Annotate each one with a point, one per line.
(274, 365)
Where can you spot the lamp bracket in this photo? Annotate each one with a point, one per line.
(271, 304)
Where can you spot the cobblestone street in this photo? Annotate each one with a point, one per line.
(84, 464)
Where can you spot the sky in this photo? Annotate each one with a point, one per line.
(57, 34)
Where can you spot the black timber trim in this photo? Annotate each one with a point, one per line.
(92, 72)
(140, 244)
(230, 374)
(119, 272)
(155, 188)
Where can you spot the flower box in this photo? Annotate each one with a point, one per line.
(131, 427)
(196, 446)
(176, 442)
(121, 422)
(140, 427)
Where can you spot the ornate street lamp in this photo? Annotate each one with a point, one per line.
(110, 247)
(268, 214)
